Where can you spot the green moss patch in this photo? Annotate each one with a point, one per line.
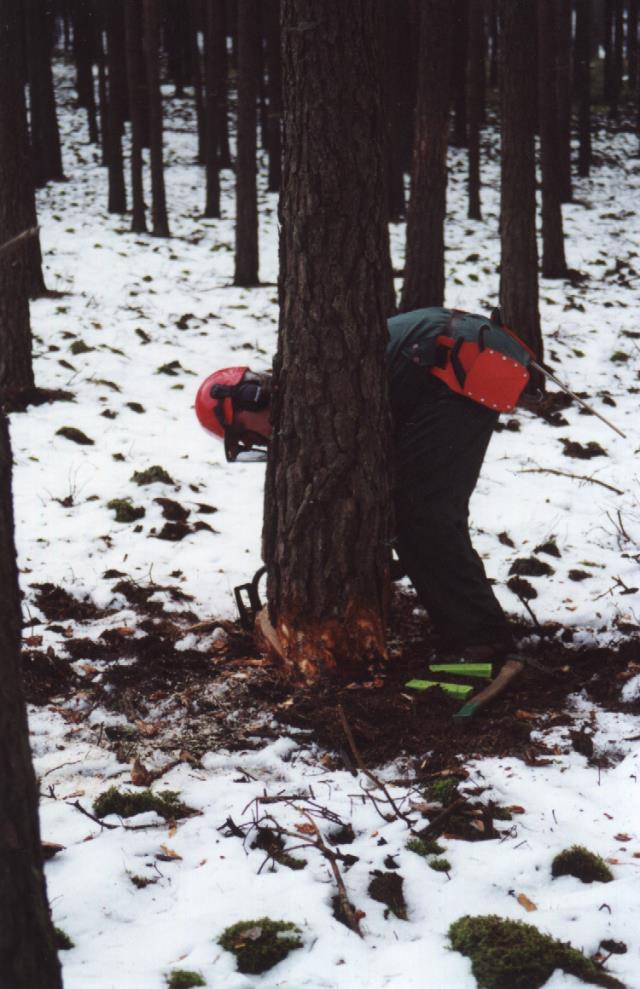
(274, 846)
(386, 887)
(260, 944)
(75, 435)
(443, 791)
(80, 347)
(424, 847)
(181, 978)
(152, 475)
(509, 954)
(440, 865)
(126, 804)
(586, 866)
(530, 567)
(125, 510)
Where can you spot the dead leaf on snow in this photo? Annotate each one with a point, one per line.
(622, 837)
(168, 854)
(305, 828)
(140, 775)
(525, 902)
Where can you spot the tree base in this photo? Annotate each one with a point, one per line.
(310, 651)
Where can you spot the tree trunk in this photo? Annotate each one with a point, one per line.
(459, 63)
(83, 50)
(246, 259)
(135, 75)
(608, 30)
(222, 59)
(583, 83)
(395, 32)
(494, 57)
(632, 45)
(214, 81)
(196, 70)
(327, 498)
(274, 92)
(176, 43)
(102, 85)
(618, 43)
(554, 264)
(28, 957)
(151, 43)
(115, 106)
(564, 89)
(45, 137)
(519, 254)
(424, 262)
(475, 73)
(16, 369)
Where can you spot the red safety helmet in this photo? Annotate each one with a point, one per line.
(218, 398)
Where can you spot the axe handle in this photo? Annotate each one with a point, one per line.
(509, 671)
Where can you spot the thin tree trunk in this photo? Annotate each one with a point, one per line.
(102, 85)
(564, 89)
(554, 264)
(608, 42)
(394, 28)
(424, 262)
(475, 72)
(151, 43)
(519, 254)
(115, 106)
(583, 84)
(494, 58)
(458, 69)
(618, 45)
(274, 92)
(135, 74)
(222, 60)
(327, 497)
(196, 70)
(246, 256)
(83, 48)
(214, 28)
(632, 45)
(45, 137)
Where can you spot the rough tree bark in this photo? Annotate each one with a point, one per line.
(246, 253)
(424, 262)
(274, 93)
(214, 82)
(45, 137)
(326, 532)
(583, 84)
(135, 76)
(83, 53)
(519, 253)
(475, 74)
(151, 44)
(16, 368)
(115, 105)
(394, 28)
(28, 957)
(564, 90)
(554, 264)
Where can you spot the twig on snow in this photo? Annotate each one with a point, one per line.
(574, 477)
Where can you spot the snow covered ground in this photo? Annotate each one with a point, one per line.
(139, 323)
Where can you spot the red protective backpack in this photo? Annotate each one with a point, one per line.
(477, 358)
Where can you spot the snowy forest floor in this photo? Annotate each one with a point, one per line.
(138, 673)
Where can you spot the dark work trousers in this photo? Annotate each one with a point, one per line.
(439, 453)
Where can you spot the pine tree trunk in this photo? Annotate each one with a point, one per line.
(246, 256)
(135, 75)
(214, 29)
(16, 369)
(176, 43)
(28, 957)
(45, 137)
(554, 264)
(151, 44)
(583, 84)
(632, 45)
(608, 42)
(459, 63)
(494, 57)
(519, 254)
(198, 94)
(222, 59)
(424, 261)
(618, 45)
(83, 50)
(394, 34)
(327, 498)
(564, 16)
(475, 73)
(115, 106)
(103, 101)
(274, 92)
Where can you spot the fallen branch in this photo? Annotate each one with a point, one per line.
(348, 912)
(433, 828)
(10, 244)
(367, 772)
(574, 477)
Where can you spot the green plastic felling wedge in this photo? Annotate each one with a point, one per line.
(483, 670)
(467, 711)
(460, 690)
